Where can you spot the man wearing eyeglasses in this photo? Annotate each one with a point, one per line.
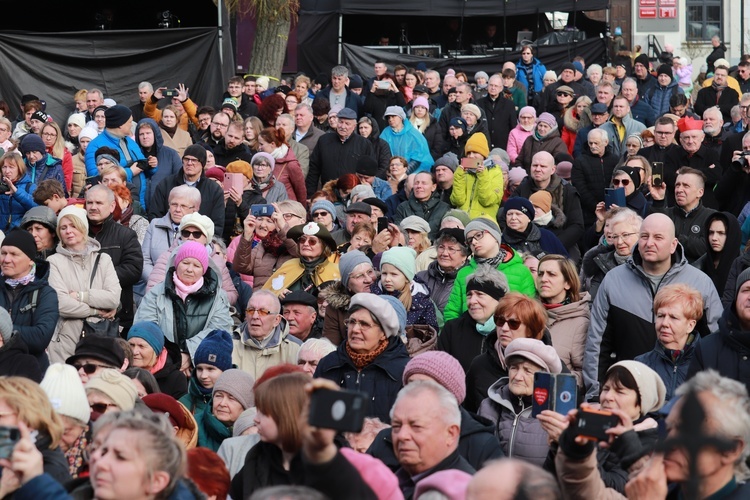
(191, 174)
(264, 336)
(664, 132)
(217, 129)
(734, 142)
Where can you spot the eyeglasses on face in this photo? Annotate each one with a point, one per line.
(618, 182)
(321, 213)
(513, 324)
(369, 273)
(189, 161)
(363, 325)
(180, 206)
(474, 237)
(290, 216)
(309, 240)
(88, 368)
(101, 407)
(219, 125)
(186, 233)
(623, 236)
(250, 311)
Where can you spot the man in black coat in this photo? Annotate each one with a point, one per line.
(32, 303)
(718, 94)
(592, 172)
(499, 112)
(337, 154)
(234, 147)
(664, 132)
(212, 195)
(549, 95)
(453, 109)
(120, 243)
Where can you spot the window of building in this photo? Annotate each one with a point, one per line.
(703, 19)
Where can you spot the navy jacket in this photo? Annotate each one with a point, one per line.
(673, 372)
(380, 380)
(35, 325)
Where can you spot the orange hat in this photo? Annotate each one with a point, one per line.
(687, 123)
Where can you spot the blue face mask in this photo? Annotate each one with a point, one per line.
(487, 327)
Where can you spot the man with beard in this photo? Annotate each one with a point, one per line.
(718, 94)
(713, 128)
(217, 130)
(234, 147)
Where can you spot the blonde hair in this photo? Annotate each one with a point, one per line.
(15, 157)
(405, 295)
(31, 404)
(686, 296)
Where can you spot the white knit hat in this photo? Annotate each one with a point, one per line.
(66, 393)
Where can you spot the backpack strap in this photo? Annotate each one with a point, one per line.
(31, 306)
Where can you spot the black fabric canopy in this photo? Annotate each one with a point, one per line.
(447, 8)
(53, 66)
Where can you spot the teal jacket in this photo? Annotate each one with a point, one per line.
(195, 400)
(211, 432)
(518, 275)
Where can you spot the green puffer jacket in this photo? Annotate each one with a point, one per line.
(195, 401)
(518, 275)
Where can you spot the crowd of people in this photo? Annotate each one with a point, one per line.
(181, 278)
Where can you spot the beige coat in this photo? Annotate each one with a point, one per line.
(255, 357)
(72, 272)
(568, 325)
(179, 142)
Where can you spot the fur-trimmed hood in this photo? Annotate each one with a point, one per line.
(558, 219)
(573, 122)
(337, 296)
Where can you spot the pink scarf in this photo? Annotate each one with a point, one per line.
(160, 361)
(184, 290)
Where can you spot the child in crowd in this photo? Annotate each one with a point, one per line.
(212, 358)
(397, 270)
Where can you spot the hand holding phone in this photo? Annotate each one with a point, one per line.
(340, 410)
(592, 425)
(261, 210)
(170, 93)
(382, 224)
(9, 436)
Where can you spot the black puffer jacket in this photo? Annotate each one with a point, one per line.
(477, 443)
(596, 263)
(170, 379)
(740, 264)
(381, 149)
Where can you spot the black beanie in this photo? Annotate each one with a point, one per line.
(117, 116)
(367, 165)
(32, 142)
(633, 172)
(22, 240)
(643, 59)
(664, 69)
(196, 151)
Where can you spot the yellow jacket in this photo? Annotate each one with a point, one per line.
(291, 271)
(478, 194)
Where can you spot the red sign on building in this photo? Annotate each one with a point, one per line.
(647, 13)
(667, 12)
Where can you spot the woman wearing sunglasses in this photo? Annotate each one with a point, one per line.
(516, 316)
(629, 178)
(188, 303)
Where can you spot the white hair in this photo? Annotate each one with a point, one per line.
(187, 192)
(146, 85)
(602, 134)
(447, 403)
(317, 347)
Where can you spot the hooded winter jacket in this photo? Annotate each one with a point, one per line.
(14, 206)
(168, 161)
(478, 193)
(622, 320)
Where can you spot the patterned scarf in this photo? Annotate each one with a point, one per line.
(14, 283)
(491, 261)
(362, 360)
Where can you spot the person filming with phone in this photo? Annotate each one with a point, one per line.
(477, 183)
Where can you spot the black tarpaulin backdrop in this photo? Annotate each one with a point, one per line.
(53, 66)
(360, 60)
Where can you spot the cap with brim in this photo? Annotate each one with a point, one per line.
(454, 232)
(376, 202)
(415, 223)
(566, 90)
(300, 297)
(421, 89)
(359, 208)
(347, 114)
(104, 349)
(598, 109)
(312, 229)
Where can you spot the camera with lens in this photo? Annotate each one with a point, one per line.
(743, 161)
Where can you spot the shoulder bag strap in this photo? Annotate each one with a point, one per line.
(93, 271)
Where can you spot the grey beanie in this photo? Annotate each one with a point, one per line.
(742, 278)
(382, 309)
(244, 421)
(239, 385)
(400, 311)
(503, 155)
(348, 262)
(484, 224)
(323, 205)
(449, 160)
(6, 325)
(361, 191)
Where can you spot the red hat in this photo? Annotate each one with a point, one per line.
(164, 403)
(687, 123)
